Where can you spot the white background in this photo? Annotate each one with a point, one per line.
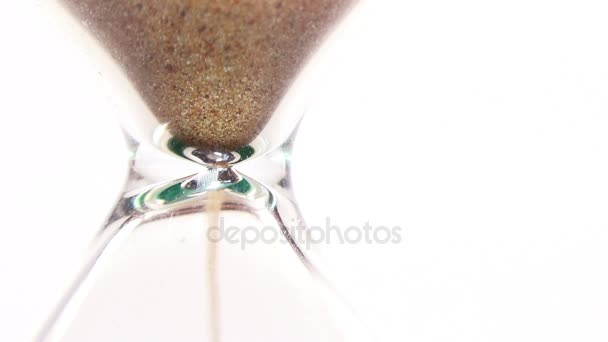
(478, 126)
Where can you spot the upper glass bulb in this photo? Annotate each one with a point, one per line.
(211, 73)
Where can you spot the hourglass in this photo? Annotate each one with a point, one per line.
(206, 242)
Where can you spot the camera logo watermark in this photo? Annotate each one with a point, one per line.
(305, 236)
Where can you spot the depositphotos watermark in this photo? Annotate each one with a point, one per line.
(305, 236)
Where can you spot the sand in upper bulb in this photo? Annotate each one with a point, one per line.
(215, 70)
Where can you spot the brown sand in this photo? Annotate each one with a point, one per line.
(214, 69)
